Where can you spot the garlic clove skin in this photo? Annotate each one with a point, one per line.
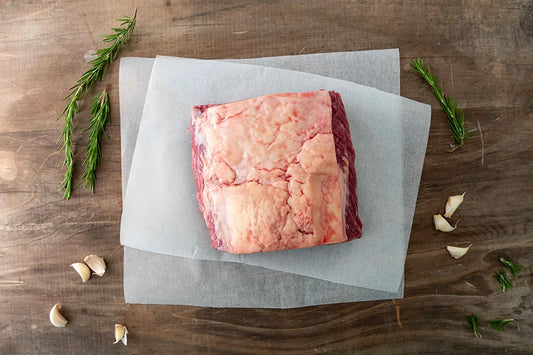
(82, 270)
(441, 224)
(457, 252)
(121, 333)
(453, 204)
(56, 318)
(96, 263)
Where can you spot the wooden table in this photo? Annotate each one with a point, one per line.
(481, 50)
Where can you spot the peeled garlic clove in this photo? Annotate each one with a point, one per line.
(441, 224)
(457, 252)
(121, 333)
(56, 318)
(453, 203)
(82, 270)
(96, 263)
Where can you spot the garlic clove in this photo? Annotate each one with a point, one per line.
(441, 224)
(96, 263)
(82, 270)
(453, 203)
(56, 318)
(121, 333)
(457, 252)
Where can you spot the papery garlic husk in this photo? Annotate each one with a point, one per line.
(441, 224)
(82, 270)
(452, 204)
(96, 263)
(56, 318)
(121, 333)
(457, 252)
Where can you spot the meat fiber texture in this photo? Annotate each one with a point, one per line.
(275, 172)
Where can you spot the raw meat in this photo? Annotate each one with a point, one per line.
(275, 172)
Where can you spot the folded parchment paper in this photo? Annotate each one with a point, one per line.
(160, 209)
(148, 276)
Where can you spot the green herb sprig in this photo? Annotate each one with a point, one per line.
(455, 115)
(513, 267)
(499, 324)
(104, 57)
(472, 324)
(100, 115)
(501, 277)
(70, 111)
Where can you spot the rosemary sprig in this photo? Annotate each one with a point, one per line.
(104, 57)
(472, 324)
(69, 112)
(498, 324)
(455, 115)
(100, 115)
(513, 267)
(501, 277)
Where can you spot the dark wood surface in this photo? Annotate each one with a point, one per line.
(481, 50)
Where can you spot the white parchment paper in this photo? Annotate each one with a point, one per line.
(153, 221)
(221, 284)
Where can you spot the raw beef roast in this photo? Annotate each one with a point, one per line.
(275, 172)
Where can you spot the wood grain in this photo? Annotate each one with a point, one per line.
(481, 50)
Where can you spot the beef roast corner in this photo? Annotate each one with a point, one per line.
(276, 172)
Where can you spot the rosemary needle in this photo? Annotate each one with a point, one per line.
(104, 57)
(100, 115)
(513, 267)
(472, 324)
(455, 115)
(498, 324)
(501, 277)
